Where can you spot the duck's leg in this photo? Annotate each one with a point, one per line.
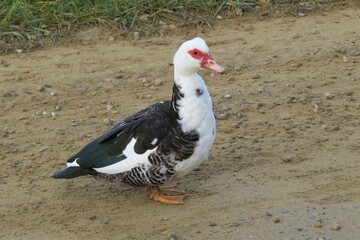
(167, 195)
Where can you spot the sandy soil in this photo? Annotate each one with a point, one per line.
(285, 164)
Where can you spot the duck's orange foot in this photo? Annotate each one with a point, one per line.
(169, 195)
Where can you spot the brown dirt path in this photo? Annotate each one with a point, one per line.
(286, 158)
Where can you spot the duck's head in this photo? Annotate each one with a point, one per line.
(193, 55)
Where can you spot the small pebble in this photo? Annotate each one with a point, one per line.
(276, 220)
(212, 224)
(222, 116)
(111, 38)
(335, 226)
(288, 159)
(108, 121)
(336, 128)
(316, 108)
(140, 95)
(10, 94)
(237, 67)
(355, 53)
(53, 114)
(301, 14)
(158, 82)
(256, 76)
(227, 96)
(328, 95)
(57, 108)
(40, 88)
(136, 35)
(318, 223)
(296, 36)
(53, 94)
(173, 236)
(109, 107)
(323, 126)
(43, 149)
(345, 59)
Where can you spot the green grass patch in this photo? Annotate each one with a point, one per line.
(24, 23)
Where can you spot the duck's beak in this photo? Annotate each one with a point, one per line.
(209, 63)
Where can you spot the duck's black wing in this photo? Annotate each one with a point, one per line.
(149, 127)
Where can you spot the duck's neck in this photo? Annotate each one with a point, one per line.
(191, 101)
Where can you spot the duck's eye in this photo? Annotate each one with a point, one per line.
(195, 53)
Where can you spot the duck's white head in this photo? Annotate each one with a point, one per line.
(193, 55)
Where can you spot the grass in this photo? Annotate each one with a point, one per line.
(24, 23)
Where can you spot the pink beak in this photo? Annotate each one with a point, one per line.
(209, 63)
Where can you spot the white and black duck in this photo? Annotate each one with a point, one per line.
(165, 140)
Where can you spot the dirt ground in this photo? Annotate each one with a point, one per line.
(285, 163)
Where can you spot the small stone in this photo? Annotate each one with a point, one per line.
(111, 38)
(43, 149)
(260, 89)
(92, 217)
(256, 76)
(296, 36)
(355, 53)
(316, 108)
(38, 113)
(45, 113)
(40, 88)
(53, 114)
(219, 17)
(335, 226)
(323, 127)
(212, 224)
(222, 116)
(288, 159)
(336, 128)
(119, 75)
(227, 96)
(315, 32)
(140, 95)
(301, 14)
(345, 59)
(173, 236)
(8, 131)
(237, 67)
(329, 95)
(10, 94)
(57, 108)
(318, 223)
(158, 82)
(18, 50)
(53, 94)
(109, 107)
(136, 35)
(276, 220)
(108, 121)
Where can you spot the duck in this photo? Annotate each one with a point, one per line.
(164, 141)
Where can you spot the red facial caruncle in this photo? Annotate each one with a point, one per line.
(207, 60)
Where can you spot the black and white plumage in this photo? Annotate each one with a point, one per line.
(165, 140)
